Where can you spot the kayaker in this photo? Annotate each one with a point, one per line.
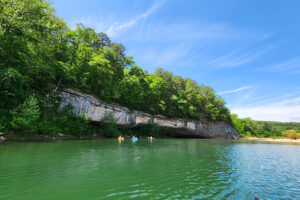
(121, 139)
(134, 139)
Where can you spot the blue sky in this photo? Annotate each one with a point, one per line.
(248, 51)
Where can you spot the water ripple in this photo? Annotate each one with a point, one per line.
(165, 169)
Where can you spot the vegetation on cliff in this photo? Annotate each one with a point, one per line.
(40, 56)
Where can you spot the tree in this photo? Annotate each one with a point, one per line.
(11, 88)
(25, 116)
(103, 40)
(292, 134)
(133, 88)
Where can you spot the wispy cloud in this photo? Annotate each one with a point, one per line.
(291, 66)
(261, 100)
(201, 42)
(288, 101)
(284, 110)
(161, 40)
(235, 90)
(284, 113)
(112, 23)
(194, 30)
(118, 27)
(170, 54)
(239, 57)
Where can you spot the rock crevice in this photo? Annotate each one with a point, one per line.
(96, 110)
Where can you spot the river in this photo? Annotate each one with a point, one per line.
(163, 169)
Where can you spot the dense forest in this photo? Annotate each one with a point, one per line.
(40, 56)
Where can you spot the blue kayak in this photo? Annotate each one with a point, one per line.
(134, 139)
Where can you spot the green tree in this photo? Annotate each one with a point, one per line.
(292, 134)
(25, 117)
(11, 88)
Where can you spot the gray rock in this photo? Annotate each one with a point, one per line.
(61, 134)
(96, 110)
(2, 138)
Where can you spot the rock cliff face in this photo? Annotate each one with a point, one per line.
(97, 110)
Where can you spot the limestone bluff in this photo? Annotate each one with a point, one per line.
(96, 110)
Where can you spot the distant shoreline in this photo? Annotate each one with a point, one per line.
(281, 140)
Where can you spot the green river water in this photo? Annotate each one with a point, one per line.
(163, 169)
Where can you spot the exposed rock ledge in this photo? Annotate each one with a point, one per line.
(97, 110)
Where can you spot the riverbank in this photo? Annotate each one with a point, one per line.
(279, 140)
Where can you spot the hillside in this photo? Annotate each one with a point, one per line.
(40, 56)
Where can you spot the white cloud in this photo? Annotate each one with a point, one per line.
(270, 113)
(112, 23)
(285, 110)
(291, 66)
(288, 101)
(199, 41)
(235, 90)
(168, 55)
(118, 27)
(194, 31)
(239, 57)
(163, 39)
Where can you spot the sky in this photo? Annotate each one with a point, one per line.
(248, 51)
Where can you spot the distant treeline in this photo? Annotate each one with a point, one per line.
(40, 56)
(251, 128)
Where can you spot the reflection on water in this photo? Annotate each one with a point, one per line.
(163, 169)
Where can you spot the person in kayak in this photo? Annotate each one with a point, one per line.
(121, 138)
(134, 139)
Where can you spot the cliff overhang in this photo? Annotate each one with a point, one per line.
(96, 111)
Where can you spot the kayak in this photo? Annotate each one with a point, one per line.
(134, 139)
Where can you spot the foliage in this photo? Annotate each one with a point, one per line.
(292, 134)
(64, 121)
(250, 128)
(11, 88)
(25, 116)
(2, 128)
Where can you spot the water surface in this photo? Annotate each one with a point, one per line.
(163, 169)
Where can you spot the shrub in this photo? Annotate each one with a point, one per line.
(292, 134)
(25, 116)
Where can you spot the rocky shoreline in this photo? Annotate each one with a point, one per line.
(2, 138)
